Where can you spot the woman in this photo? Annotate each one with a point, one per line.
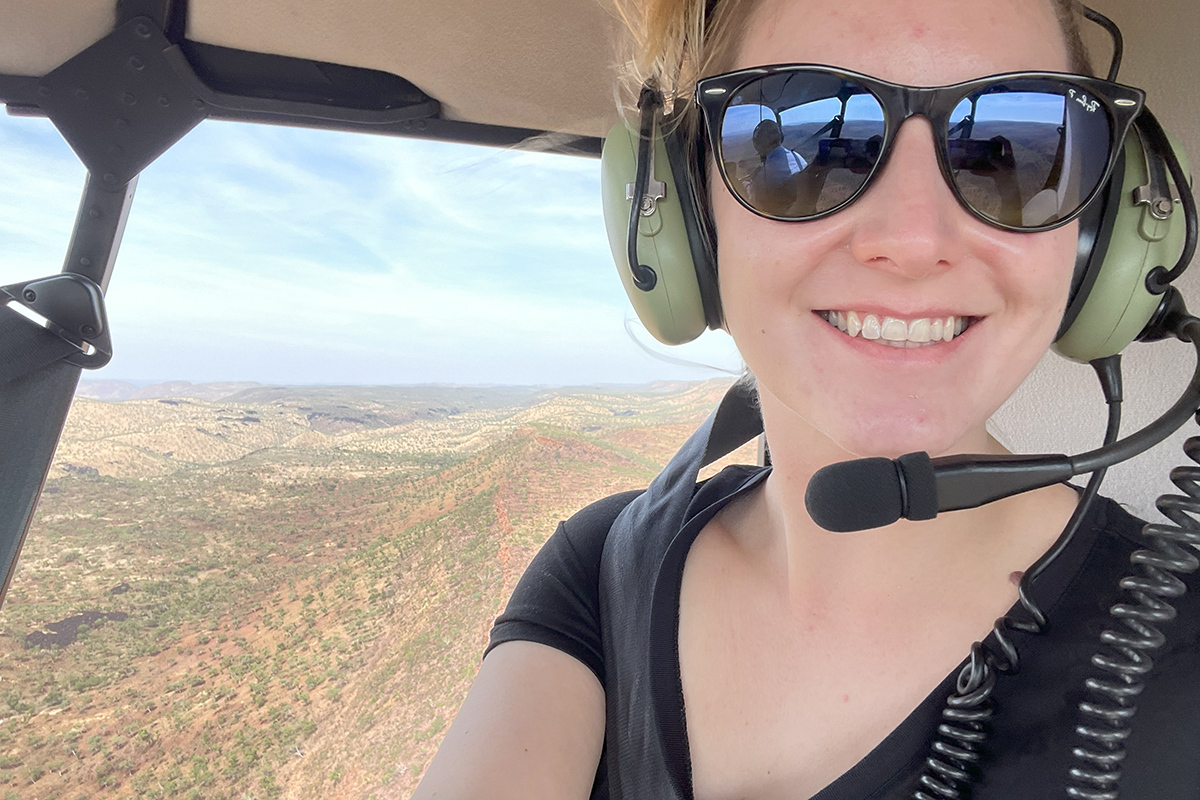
(795, 662)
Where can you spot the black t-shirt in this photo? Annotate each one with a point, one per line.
(557, 602)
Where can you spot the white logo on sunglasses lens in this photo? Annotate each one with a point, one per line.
(1082, 99)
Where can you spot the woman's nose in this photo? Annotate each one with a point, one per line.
(908, 222)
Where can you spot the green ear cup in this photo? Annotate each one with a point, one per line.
(1119, 306)
(672, 311)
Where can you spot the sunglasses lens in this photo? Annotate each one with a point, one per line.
(1029, 152)
(798, 144)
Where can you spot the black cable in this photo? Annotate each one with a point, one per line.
(649, 101)
(1123, 655)
(1171, 420)
(1159, 145)
(957, 748)
(1108, 370)
(1118, 41)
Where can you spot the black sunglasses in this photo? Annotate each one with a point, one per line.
(1023, 151)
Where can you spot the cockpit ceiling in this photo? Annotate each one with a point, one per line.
(539, 64)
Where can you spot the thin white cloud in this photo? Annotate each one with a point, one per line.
(280, 255)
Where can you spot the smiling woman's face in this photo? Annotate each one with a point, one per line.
(905, 249)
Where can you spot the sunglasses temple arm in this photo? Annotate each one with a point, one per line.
(649, 101)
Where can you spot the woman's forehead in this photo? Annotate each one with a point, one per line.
(916, 42)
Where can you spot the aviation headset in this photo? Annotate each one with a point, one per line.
(669, 270)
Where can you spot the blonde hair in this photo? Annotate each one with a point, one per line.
(675, 43)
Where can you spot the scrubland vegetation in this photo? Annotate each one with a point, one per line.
(285, 593)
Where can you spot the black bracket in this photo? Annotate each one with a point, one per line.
(119, 103)
(72, 308)
(237, 85)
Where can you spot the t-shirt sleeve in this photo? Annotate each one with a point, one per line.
(557, 600)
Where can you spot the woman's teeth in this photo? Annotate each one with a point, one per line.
(897, 332)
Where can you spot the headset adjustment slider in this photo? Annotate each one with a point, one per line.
(655, 190)
(1160, 207)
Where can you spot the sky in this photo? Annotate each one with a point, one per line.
(282, 255)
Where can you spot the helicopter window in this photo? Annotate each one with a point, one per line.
(282, 568)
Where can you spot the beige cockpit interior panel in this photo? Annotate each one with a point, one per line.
(541, 64)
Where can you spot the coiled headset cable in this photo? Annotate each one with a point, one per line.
(958, 746)
(1123, 656)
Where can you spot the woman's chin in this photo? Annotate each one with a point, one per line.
(897, 435)
(840, 427)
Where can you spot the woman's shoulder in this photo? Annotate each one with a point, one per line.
(1105, 548)
(586, 531)
(1114, 519)
(557, 601)
(1119, 533)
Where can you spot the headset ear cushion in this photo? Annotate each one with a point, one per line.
(1095, 232)
(1112, 305)
(688, 170)
(672, 310)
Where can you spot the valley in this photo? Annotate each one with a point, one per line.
(241, 591)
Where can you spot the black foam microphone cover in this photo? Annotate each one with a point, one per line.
(855, 495)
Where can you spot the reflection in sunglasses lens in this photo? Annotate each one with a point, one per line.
(1025, 153)
(800, 143)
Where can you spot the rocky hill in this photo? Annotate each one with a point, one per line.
(285, 592)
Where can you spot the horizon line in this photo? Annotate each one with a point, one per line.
(144, 383)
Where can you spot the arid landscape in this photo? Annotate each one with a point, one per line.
(241, 591)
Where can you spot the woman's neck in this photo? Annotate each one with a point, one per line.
(896, 564)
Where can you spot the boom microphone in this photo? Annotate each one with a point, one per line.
(873, 492)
